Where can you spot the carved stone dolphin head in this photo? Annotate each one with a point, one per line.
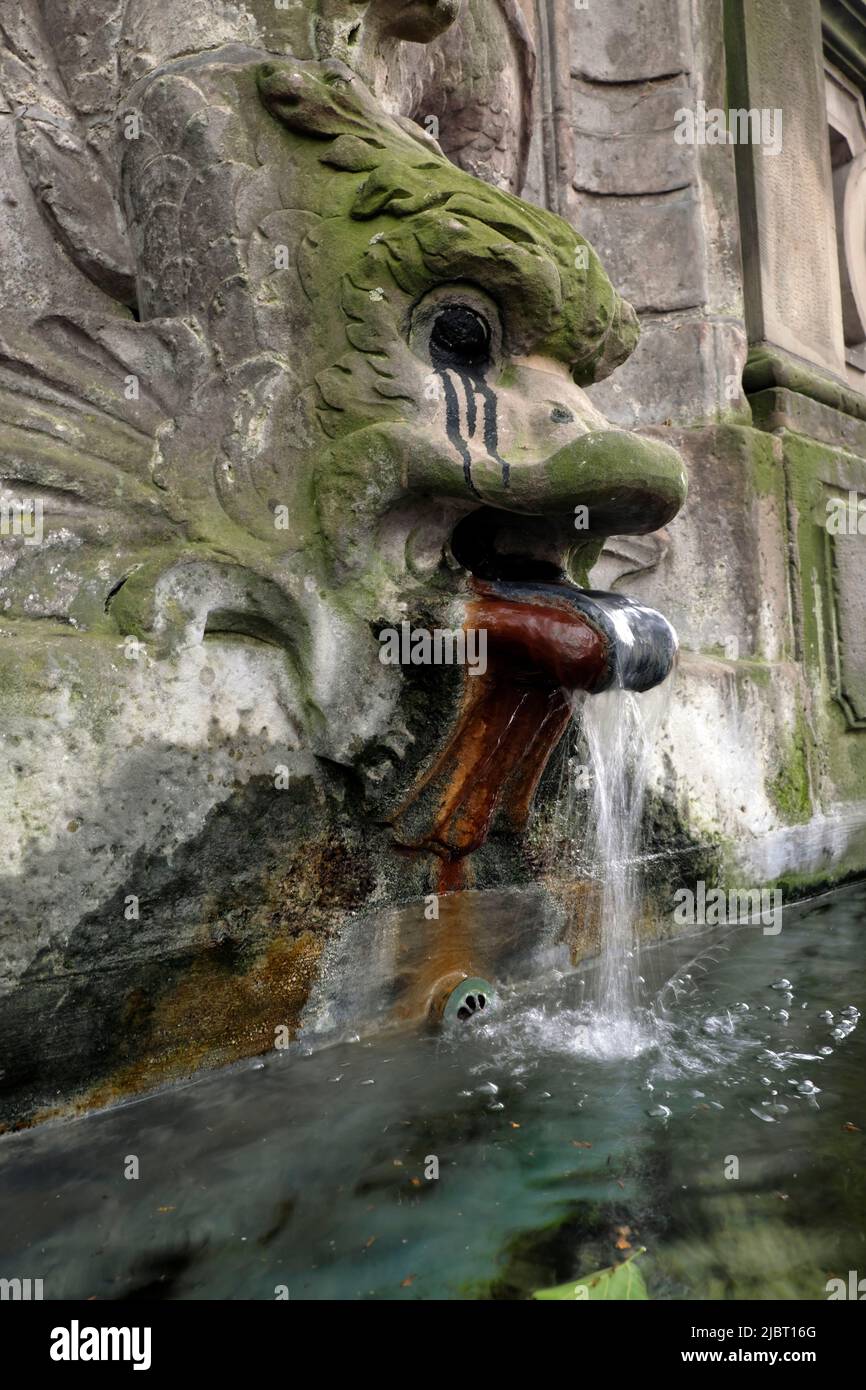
(356, 372)
(396, 351)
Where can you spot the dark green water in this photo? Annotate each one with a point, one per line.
(309, 1172)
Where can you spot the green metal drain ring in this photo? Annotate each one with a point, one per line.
(472, 998)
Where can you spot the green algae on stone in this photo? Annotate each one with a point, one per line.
(789, 787)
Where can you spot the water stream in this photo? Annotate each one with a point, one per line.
(619, 731)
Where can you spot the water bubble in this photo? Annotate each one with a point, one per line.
(762, 1115)
(783, 1015)
(808, 1088)
(489, 1088)
(781, 984)
(661, 1112)
(647, 1086)
(826, 1016)
(789, 998)
(739, 1008)
(698, 1095)
(826, 1051)
(497, 1105)
(850, 1012)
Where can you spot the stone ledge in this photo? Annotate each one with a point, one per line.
(768, 366)
(778, 408)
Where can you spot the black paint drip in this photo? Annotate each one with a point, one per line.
(491, 428)
(472, 384)
(452, 429)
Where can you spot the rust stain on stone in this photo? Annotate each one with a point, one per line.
(580, 900)
(458, 945)
(252, 973)
(512, 717)
(211, 1017)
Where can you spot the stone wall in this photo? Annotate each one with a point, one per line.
(729, 255)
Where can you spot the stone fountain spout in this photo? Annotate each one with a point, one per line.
(543, 642)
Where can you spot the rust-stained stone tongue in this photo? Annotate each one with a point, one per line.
(512, 717)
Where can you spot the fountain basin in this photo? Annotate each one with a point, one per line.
(546, 1147)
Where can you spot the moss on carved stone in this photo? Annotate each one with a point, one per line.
(790, 788)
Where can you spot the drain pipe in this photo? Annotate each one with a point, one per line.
(543, 640)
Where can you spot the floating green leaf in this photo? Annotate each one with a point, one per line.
(623, 1281)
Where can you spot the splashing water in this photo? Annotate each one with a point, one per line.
(619, 728)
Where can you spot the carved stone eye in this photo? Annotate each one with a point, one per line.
(460, 337)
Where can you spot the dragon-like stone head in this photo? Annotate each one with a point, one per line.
(356, 377)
